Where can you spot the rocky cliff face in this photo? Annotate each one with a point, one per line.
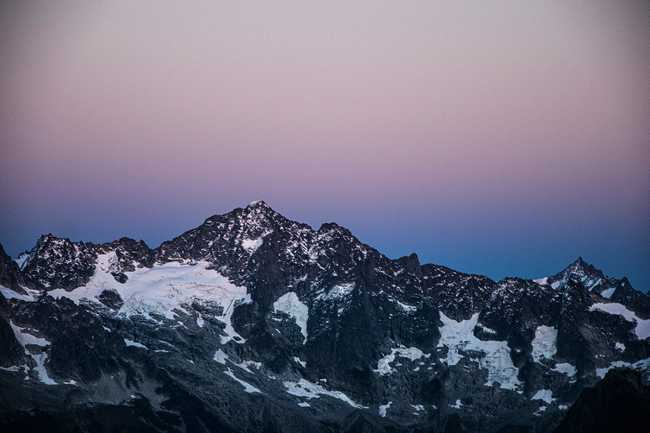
(253, 322)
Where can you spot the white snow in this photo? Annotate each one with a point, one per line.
(459, 337)
(544, 395)
(418, 407)
(244, 365)
(642, 329)
(406, 308)
(486, 329)
(247, 386)
(10, 294)
(25, 338)
(544, 343)
(300, 361)
(21, 260)
(565, 368)
(40, 359)
(619, 346)
(607, 293)
(220, 356)
(163, 290)
(412, 353)
(13, 368)
(291, 305)
(132, 343)
(457, 405)
(199, 320)
(304, 404)
(339, 291)
(251, 245)
(643, 364)
(383, 408)
(540, 410)
(309, 390)
(541, 281)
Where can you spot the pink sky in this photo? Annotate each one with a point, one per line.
(473, 121)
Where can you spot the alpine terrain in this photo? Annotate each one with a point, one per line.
(252, 322)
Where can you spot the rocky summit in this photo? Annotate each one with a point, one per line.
(252, 322)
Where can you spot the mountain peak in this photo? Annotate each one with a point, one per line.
(580, 267)
(580, 271)
(258, 204)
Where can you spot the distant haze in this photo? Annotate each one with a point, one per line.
(502, 137)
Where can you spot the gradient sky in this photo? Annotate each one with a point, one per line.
(502, 137)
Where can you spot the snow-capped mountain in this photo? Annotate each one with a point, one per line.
(252, 322)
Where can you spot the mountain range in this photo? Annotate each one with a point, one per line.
(252, 322)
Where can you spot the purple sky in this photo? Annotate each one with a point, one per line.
(504, 139)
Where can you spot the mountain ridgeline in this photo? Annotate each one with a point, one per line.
(252, 322)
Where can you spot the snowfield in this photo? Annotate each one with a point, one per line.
(545, 343)
(458, 337)
(642, 329)
(163, 291)
(291, 305)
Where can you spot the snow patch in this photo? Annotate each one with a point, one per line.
(41, 371)
(21, 260)
(220, 356)
(247, 386)
(565, 368)
(619, 346)
(292, 306)
(163, 290)
(643, 365)
(339, 291)
(13, 368)
(10, 294)
(406, 308)
(25, 338)
(383, 408)
(131, 343)
(251, 245)
(412, 353)
(544, 395)
(459, 337)
(544, 343)
(304, 388)
(642, 329)
(607, 293)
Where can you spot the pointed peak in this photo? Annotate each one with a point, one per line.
(258, 204)
(580, 262)
(581, 266)
(49, 239)
(259, 207)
